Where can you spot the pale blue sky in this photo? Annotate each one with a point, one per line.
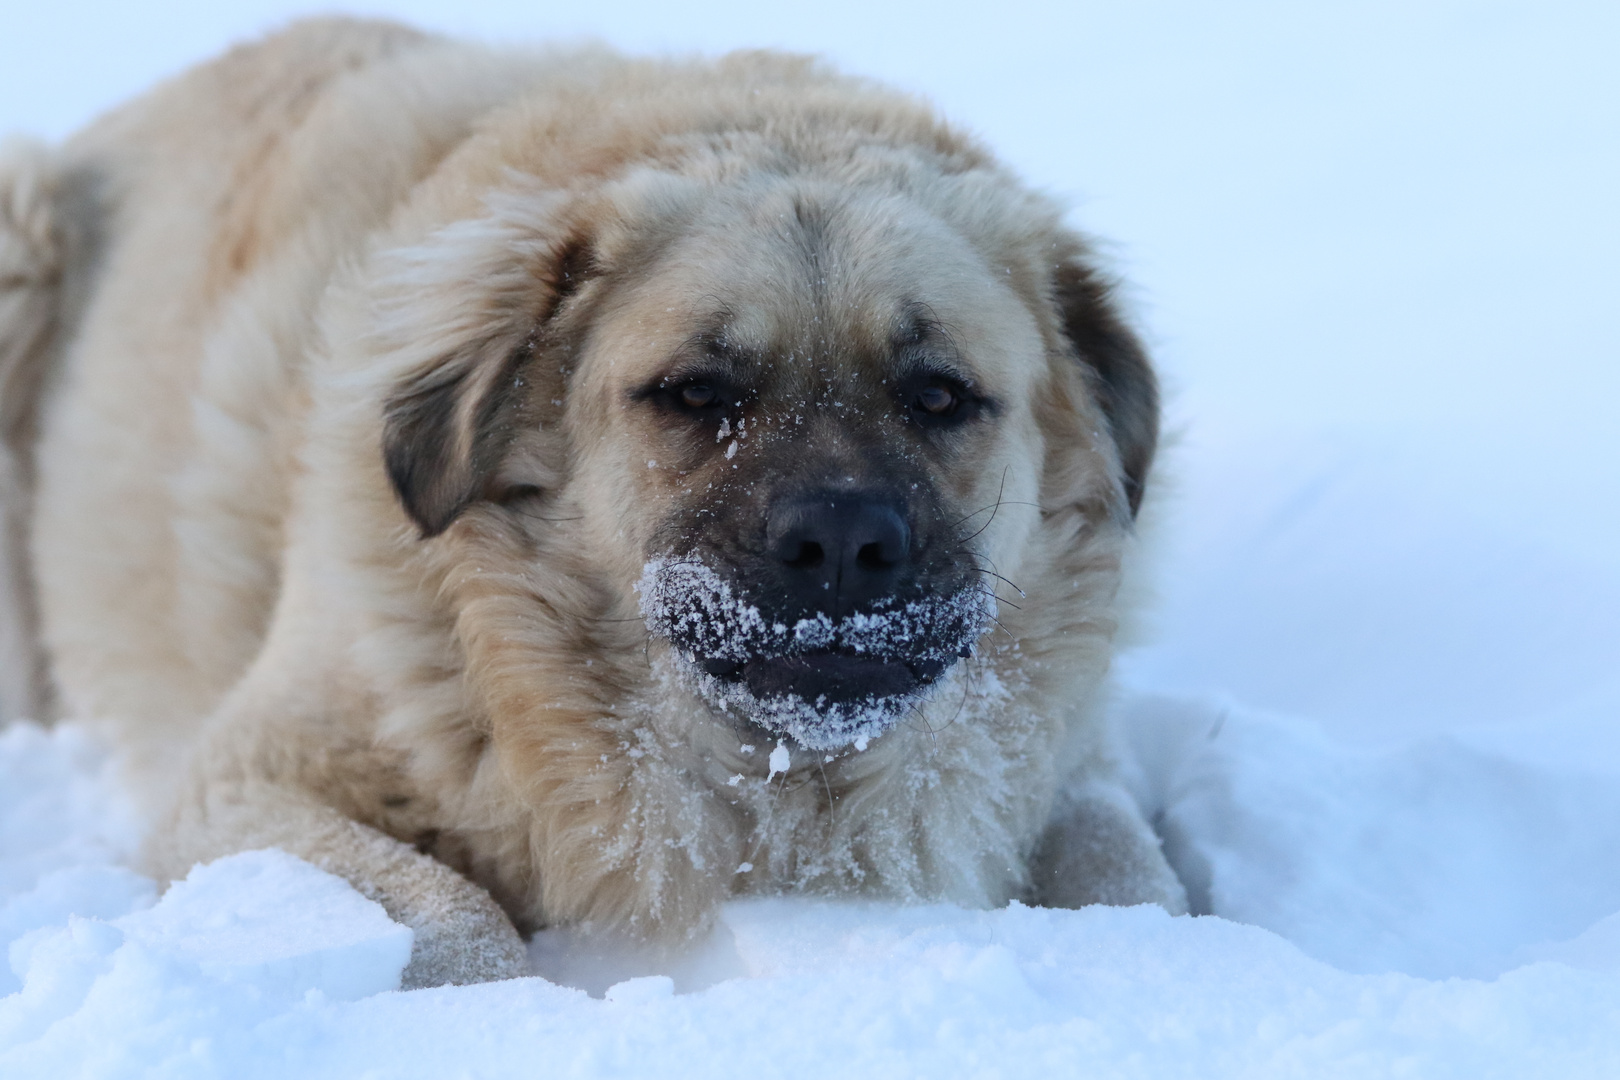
(1329, 211)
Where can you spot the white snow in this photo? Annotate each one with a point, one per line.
(241, 940)
(1433, 909)
(1432, 858)
(686, 600)
(787, 988)
(690, 604)
(266, 918)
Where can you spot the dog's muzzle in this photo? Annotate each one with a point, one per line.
(824, 682)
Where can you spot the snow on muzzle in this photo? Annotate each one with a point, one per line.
(824, 682)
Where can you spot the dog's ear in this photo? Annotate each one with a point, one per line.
(441, 434)
(447, 424)
(1117, 367)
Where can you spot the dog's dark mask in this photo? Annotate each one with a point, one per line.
(820, 599)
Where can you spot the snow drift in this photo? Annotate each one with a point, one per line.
(1368, 882)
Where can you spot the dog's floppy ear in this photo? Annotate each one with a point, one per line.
(441, 434)
(447, 424)
(1118, 370)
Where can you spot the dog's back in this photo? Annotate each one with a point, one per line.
(151, 371)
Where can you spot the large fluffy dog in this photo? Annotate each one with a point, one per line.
(554, 488)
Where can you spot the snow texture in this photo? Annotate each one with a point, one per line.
(1433, 909)
(687, 602)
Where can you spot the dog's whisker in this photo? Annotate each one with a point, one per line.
(1001, 625)
(832, 817)
(1000, 502)
(994, 510)
(991, 506)
(541, 517)
(967, 689)
(922, 718)
(978, 555)
(1022, 594)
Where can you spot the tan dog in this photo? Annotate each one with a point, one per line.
(602, 486)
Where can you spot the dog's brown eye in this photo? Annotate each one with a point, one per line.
(698, 396)
(937, 401)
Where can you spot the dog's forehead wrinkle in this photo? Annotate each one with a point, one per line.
(827, 252)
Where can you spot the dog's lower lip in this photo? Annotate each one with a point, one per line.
(833, 676)
(830, 676)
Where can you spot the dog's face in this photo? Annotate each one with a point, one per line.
(817, 397)
(808, 423)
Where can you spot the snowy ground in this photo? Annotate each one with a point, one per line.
(1432, 910)
(1375, 709)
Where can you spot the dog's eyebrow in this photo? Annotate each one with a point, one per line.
(918, 326)
(925, 366)
(712, 354)
(923, 344)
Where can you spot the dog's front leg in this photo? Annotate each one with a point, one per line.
(462, 936)
(1097, 850)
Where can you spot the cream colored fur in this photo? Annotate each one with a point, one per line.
(475, 728)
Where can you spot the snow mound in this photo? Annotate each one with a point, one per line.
(1431, 858)
(1434, 858)
(95, 892)
(239, 942)
(266, 918)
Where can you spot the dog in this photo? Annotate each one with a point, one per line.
(550, 488)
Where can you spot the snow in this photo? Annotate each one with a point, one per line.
(1433, 858)
(689, 603)
(1373, 708)
(266, 918)
(1433, 908)
(242, 939)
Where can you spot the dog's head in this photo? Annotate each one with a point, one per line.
(807, 405)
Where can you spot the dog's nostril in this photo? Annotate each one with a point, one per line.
(809, 556)
(871, 557)
(840, 550)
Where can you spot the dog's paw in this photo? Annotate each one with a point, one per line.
(1098, 850)
(462, 935)
(472, 947)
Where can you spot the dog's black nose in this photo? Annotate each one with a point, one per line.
(839, 551)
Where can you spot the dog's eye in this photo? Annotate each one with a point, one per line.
(702, 398)
(940, 402)
(697, 395)
(937, 401)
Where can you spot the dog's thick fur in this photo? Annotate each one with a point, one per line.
(326, 492)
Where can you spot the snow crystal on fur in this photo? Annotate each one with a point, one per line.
(690, 604)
